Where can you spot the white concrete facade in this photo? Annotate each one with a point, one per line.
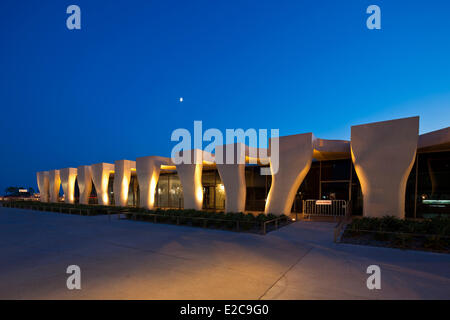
(233, 175)
(122, 178)
(191, 180)
(84, 180)
(54, 185)
(382, 153)
(296, 154)
(68, 177)
(148, 170)
(100, 176)
(43, 185)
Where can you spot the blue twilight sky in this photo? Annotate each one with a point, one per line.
(111, 90)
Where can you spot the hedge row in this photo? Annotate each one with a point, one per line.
(435, 226)
(188, 213)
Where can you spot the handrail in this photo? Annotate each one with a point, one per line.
(338, 228)
(270, 221)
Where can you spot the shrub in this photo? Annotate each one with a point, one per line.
(435, 242)
(261, 217)
(439, 226)
(402, 240)
(184, 216)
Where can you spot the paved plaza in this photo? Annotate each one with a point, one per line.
(121, 259)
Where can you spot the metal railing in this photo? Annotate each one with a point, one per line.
(325, 208)
(339, 228)
(236, 225)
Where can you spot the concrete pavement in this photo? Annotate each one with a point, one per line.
(122, 259)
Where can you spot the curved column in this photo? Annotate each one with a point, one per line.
(295, 157)
(383, 154)
(84, 180)
(54, 185)
(232, 174)
(43, 185)
(68, 177)
(122, 178)
(191, 179)
(100, 177)
(148, 170)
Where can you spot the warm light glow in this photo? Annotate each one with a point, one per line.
(153, 183)
(199, 195)
(167, 167)
(105, 182)
(124, 195)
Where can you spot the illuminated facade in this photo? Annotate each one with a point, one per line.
(386, 168)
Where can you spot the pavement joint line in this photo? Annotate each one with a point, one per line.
(287, 270)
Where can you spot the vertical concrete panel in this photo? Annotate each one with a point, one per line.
(383, 154)
(295, 157)
(100, 177)
(191, 179)
(43, 185)
(147, 170)
(233, 176)
(68, 177)
(54, 185)
(84, 180)
(84, 183)
(122, 177)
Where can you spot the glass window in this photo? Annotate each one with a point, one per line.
(335, 190)
(336, 170)
(257, 188)
(162, 191)
(132, 191)
(111, 189)
(175, 192)
(433, 184)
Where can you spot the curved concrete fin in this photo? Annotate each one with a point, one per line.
(122, 178)
(191, 179)
(100, 177)
(230, 162)
(54, 185)
(383, 154)
(294, 161)
(43, 185)
(68, 177)
(148, 170)
(84, 180)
